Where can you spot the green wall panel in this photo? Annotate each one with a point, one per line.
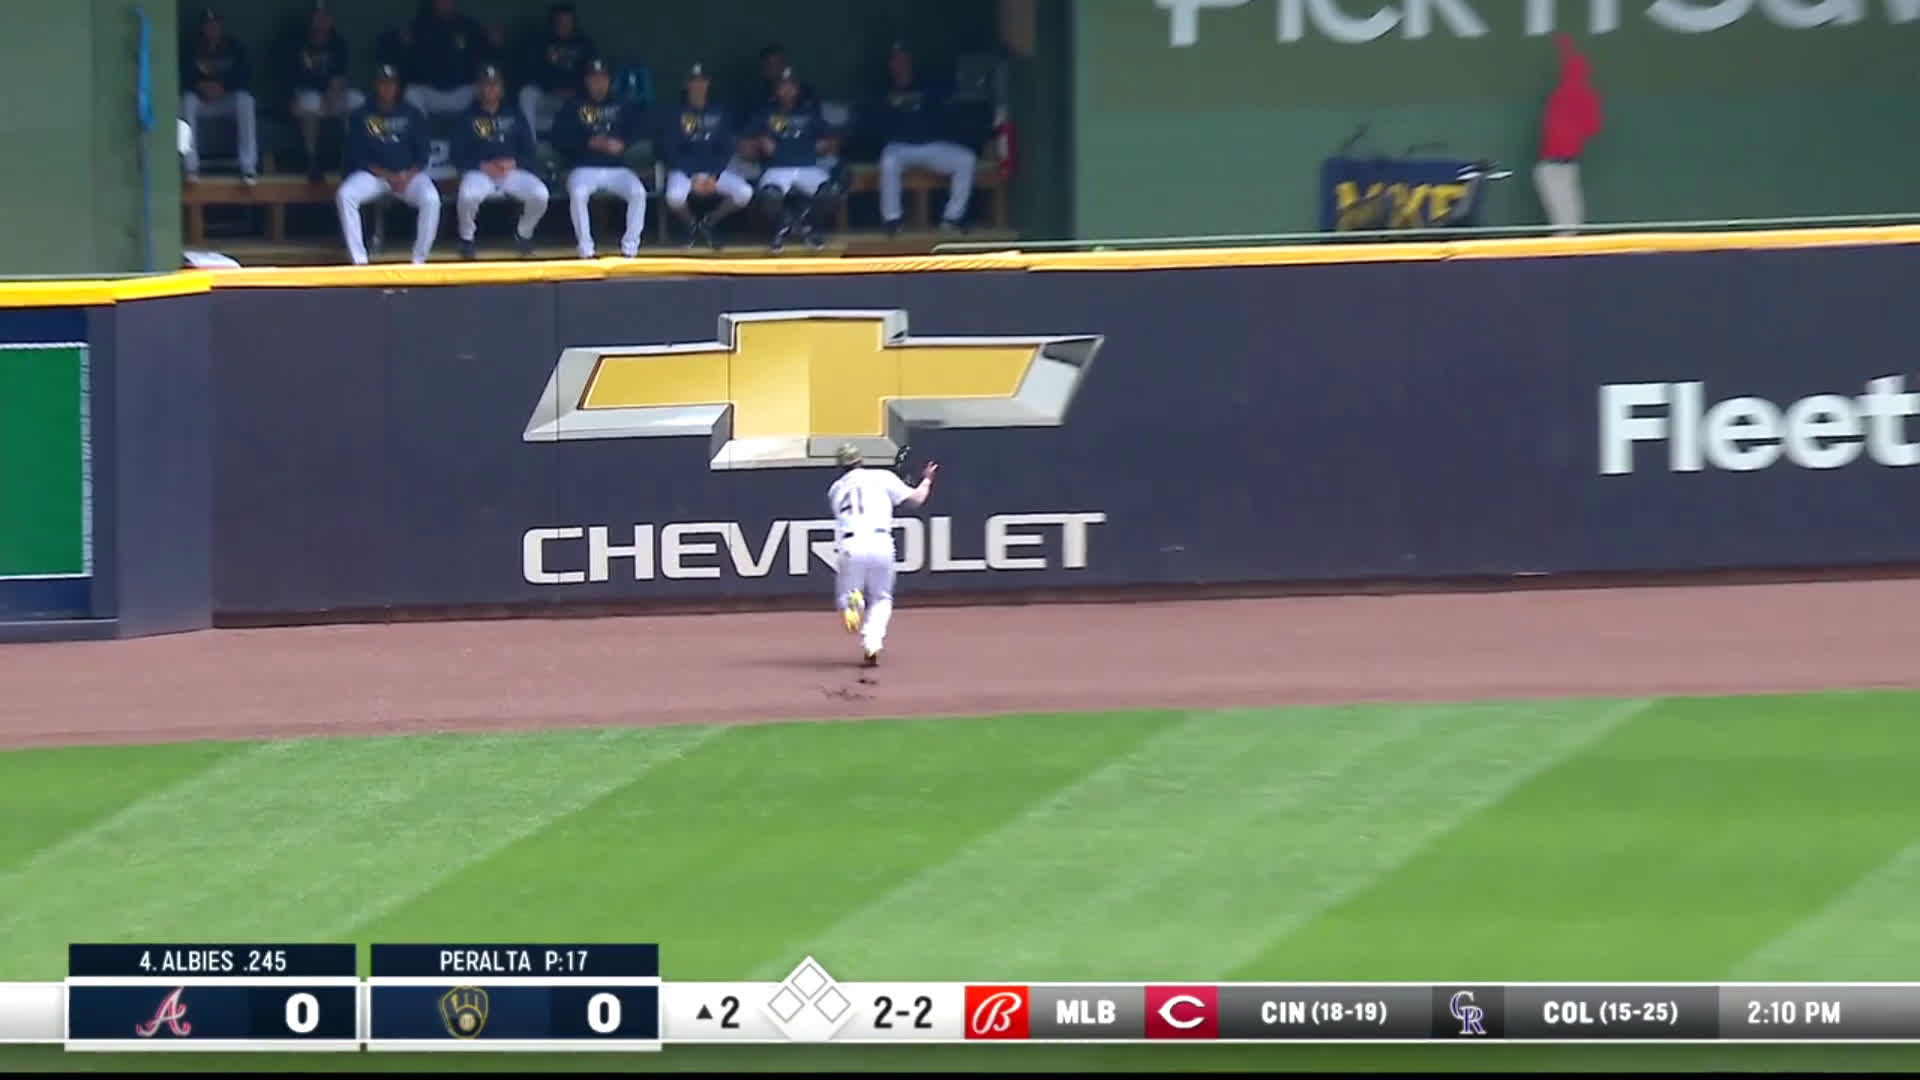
(68, 71)
(45, 497)
(1227, 134)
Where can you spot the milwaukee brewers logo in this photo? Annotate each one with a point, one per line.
(590, 115)
(483, 126)
(779, 125)
(314, 60)
(463, 1010)
(379, 128)
(689, 123)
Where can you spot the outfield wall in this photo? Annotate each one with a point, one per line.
(106, 452)
(396, 440)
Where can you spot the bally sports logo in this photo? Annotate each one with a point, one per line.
(1744, 434)
(999, 1012)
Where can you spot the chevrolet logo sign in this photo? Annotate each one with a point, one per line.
(786, 388)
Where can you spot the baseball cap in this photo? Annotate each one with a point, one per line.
(786, 74)
(598, 66)
(386, 71)
(697, 71)
(489, 73)
(207, 15)
(900, 47)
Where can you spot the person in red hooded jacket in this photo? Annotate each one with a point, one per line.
(1573, 117)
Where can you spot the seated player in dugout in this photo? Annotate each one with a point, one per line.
(318, 58)
(556, 67)
(387, 148)
(492, 151)
(593, 134)
(215, 78)
(773, 61)
(797, 190)
(699, 143)
(444, 49)
(915, 132)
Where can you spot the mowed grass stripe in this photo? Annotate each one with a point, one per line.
(1687, 838)
(46, 795)
(1183, 858)
(307, 839)
(1869, 932)
(766, 836)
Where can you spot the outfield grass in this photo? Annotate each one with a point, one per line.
(1768, 838)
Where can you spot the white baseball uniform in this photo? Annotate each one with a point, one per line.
(238, 105)
(584, 181)
(952, 160)
(807, 179)
(362, 186)
(477, 187)
(315, 103)
(863, 501)
(432, 99)
(729, 184)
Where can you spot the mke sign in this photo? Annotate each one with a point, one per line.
(1356, 22)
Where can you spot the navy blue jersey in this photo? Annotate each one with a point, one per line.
(225, 63)
(489, 134)
(795, 135)
(312, 66)
(574, 125)
(910, 114)
(559, 63)
(393, 139)
(446, 53)
(699, 140)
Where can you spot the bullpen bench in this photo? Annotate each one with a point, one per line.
(919, 185)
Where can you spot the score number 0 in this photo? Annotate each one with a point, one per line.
(303, 1013)
(603, 1014)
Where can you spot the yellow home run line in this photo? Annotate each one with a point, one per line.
(109, 291)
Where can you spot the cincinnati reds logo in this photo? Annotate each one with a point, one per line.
(995, 1014)
(172, 1012)
(1192, 1020)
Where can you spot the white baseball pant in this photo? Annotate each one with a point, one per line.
(477, 187)
(731, 185)
(584, 182)
(246, 119)
(806, 178)
(1558, 183)
(363, 186)
(866, 563)
(951, 160)
(540, 106)
(432, 99)
(314, 103)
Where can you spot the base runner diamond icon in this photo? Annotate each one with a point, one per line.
(809, 1006)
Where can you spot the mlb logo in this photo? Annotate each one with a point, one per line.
(998, 1012)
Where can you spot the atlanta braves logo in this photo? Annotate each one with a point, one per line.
(172, 1012)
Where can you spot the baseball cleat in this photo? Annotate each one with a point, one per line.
(856, 609)
(871, 658)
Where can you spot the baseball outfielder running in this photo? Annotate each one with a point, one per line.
(863, 500)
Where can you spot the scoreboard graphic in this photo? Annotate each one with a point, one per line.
(610, 997)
